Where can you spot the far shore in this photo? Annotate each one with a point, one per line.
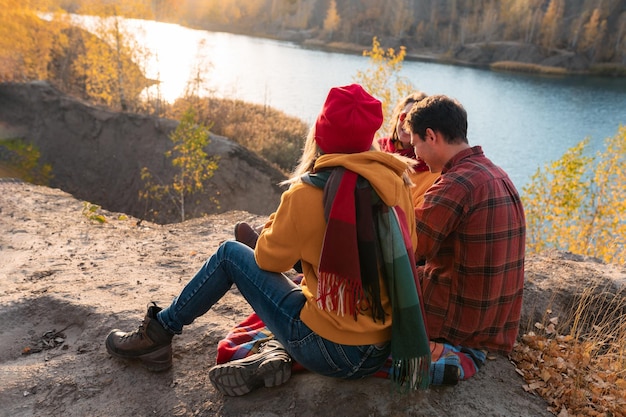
(306, 40)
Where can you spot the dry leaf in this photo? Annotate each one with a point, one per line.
(546, 375)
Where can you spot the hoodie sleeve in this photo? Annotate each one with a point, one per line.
(277, 249)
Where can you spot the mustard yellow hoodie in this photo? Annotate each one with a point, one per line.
(296, 232)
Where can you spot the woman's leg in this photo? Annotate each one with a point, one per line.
(278, 302)
(273, 296)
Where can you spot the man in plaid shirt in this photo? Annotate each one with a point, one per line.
(471, 234)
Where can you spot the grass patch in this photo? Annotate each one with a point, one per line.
(268, 132)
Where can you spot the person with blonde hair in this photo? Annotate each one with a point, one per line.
(348, 217)
(399, 141)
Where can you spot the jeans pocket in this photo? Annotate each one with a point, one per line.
(373, 357)
(312, 352)
(327, 358)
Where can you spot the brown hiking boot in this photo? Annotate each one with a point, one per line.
(245, 234)
(271, 367)
(150, 343)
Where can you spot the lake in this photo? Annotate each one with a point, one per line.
(521, 121)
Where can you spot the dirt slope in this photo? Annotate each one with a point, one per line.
(69, 279)
(97, 155)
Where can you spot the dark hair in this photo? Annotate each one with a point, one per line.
(440, 113)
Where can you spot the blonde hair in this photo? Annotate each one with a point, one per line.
(310, 153)
(411, 98)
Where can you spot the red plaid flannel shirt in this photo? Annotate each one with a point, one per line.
(471, 231)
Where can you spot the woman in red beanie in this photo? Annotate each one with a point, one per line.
(348, 217)
(399, 141)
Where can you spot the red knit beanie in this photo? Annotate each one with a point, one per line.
(348, 121)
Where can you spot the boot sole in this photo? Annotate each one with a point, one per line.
(235, 379)
(157, 361)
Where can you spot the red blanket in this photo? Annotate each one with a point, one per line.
(449, 365)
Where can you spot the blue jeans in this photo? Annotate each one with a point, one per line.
(278, 302)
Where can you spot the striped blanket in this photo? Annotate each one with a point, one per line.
(450, 364)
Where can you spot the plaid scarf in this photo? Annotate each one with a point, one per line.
(363, 238)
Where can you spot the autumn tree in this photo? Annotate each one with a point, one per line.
(382, 79)
(198, 82)
(441, 25)
(578, 203)
(112, 63)
(399, 17)
(26, 40)
(488, 21)
(192, 165)
(521, 19)
(551, 23)
(332, 20)
(168, 10)
(593, 34)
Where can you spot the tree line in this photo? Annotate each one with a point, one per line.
(112, 74)
(594, 29)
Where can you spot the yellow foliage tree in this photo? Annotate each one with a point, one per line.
(578, 203)
(113, 62)
(25, 40)
(332, 20)
(192, 164)
(593, 34)
(551, 23)
(383, 80)
(400, 17)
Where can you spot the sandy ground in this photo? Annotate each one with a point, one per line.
(66, 280)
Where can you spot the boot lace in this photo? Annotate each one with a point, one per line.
(135, 333)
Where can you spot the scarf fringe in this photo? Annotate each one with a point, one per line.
(335, 293)
(411, 374)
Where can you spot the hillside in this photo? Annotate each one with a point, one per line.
(97, 155)
(65, 281)
(63, 273)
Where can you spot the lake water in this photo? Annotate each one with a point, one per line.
(522, 122)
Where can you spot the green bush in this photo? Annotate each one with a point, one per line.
(21, 159)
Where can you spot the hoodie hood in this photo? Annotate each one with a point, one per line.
(381, 169)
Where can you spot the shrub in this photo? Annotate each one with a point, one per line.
(578, 203)
(266, 131)
(191, 163)
(22, 160)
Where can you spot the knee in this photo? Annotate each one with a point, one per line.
(232, 248)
